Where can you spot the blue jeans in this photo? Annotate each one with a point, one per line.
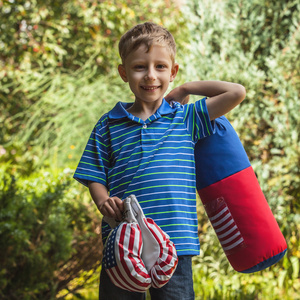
(180, 286)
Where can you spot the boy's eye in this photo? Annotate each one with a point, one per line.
(139, 67)
(160, 66)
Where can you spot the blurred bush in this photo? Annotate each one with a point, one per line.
(255, 43)
(58, 67)
(58, 75)
(48, 235)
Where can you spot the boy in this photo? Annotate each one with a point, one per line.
(146, 148)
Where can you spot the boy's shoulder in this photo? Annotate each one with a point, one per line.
(102, 122)
(179, 107)
(109, 117)
(111, 114)
(175, 105)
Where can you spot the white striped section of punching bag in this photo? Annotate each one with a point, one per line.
(225, 227)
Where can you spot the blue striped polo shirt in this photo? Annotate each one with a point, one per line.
(154, 160)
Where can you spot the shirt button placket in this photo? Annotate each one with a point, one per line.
(143, 133)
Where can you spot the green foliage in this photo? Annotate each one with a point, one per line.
(59, 66)
(68, 109)
(39, 220)
(255, 43)
(34, 234)
(44, 34)
(58, 75)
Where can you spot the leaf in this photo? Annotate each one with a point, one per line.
(281, 277)
(295, 265)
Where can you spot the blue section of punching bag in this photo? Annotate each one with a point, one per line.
(219, 155)
(266, 263)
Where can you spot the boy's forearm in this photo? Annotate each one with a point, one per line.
(108, 206)
(210, 88)
(224, 96)
(99, 193)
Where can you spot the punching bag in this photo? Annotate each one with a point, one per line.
(235, 203)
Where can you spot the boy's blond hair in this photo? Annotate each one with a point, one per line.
(147, 34)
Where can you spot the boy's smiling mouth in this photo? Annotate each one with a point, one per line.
(149, 88)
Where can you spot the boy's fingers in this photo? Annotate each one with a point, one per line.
(115, 206)
(107, 210)
(104, 212)
(177, 96)
(118, 207)
(169, 98)
(186, 99)
(120, 204)
(118, 215)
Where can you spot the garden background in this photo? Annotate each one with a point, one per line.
(58, 72)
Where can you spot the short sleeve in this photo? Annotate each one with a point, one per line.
(197, 120)
(94, 162)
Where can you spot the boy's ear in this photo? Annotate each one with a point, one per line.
(174, 71)
(122, 73)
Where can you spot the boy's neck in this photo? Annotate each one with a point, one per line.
(144, 110)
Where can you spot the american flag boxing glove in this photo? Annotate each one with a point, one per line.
(122, 255)
(137, 253)
(159, 253)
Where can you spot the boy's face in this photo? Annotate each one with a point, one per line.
(149, 74)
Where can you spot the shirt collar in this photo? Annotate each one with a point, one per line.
(119, 111)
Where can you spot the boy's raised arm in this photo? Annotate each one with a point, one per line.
(223, 96)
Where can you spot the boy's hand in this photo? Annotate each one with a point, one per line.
(179, 94)
(113, 207)
(108, 206)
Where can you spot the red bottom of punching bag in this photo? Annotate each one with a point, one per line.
(244, 222)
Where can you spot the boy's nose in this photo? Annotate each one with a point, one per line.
(150, 75)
